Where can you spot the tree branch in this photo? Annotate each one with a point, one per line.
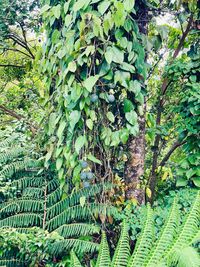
(171, 151)
(11, 65)
(165, 85)
(17, 116)
(16, 50)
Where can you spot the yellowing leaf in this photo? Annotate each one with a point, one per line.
(148, 192)
(82, 201)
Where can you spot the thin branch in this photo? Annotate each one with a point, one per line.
(171, 151)
(15, 50)
(17, 116)
(11, 65)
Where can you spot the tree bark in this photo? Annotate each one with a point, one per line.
(134, 168)
(135, 165)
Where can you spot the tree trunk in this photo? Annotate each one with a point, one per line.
(136, 146)
(135, 165)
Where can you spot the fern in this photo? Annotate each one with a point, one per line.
(39, 203)
(122, 251)
(79, 246)
(12, 263)
(166, 237)
(186, 257)
(9, 170)
(172, 248)
(74, 261)
(144, 244)
(21, 220)
(9, 155)
(21, 205)
(103, 259)
(77, 229)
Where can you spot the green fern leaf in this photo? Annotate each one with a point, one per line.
(122, 252)
(103, 259)
(144, 243)
(79, 246)
(166, 237)
(77, 229)
(74, 261)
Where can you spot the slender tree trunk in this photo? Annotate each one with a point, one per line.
(135, 165)
(136, 145)
(160, 107)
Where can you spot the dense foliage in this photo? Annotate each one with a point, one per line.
(99, 131)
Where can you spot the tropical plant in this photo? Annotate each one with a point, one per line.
(173, 247)
(38, 201)
(93, 61)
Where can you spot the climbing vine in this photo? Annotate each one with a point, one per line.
(93, 63)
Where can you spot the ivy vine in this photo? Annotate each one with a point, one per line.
(93, 63)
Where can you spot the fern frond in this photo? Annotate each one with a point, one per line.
(54, 197)
(52, 185)
(189, 229)
(74, 261)
(22, 220)
(93, 190)
(9, 140)
(78, 212)
(12, 263)
(79, 246)
(122, 252)
(21, 205)
(11, 154)
(185, 257)
(17, 166)
(28, 182)
(103, 259)
(144, 243)
(73, 199)
(33, 192)
(166, 237)
(77, 229)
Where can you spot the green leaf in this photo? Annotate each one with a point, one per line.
(104, 6)
(80, 4)
(196, 181)
(129, 5)
(55, 36)
(131, 117)
(61, 128)
(124, 135)
(128, 67)
(72, 66)
(77, 171)
(110, 116)
(56, 11)
(68, 20)
(74, 118)
(128, 105)
(181, 182)
(80, 142)
(82, 201)
(109, 55)
(59, 163)
(190, 173)
(89, 124)
(114, 54)
(44, 9)
(90, 82)
(93, 159)
(66, 6)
